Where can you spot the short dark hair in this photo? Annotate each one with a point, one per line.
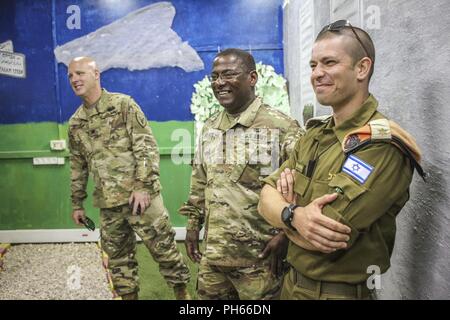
(356, 51)
(246, 58)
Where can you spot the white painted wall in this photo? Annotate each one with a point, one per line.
(411, 81)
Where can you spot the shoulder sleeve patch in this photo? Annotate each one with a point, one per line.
(357, 169)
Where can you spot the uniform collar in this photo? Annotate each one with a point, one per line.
(246, 118)
(358, 119)
(100, 107)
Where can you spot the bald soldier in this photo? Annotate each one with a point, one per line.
(109, 138)
(339, 193)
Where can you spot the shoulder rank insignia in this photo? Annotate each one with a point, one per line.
(384, 131)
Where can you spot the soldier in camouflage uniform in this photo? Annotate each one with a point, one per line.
(238, 147)
(109, 138)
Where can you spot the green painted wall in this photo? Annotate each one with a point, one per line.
(38, 197)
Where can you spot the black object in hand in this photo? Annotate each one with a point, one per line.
(89, 224)
(138, 209)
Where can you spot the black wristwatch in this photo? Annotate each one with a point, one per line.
(288, 214)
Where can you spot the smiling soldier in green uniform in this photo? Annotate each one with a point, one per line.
(340, 191)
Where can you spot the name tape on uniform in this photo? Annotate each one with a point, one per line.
(357, 168)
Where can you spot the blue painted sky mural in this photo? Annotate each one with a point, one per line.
(36, 28)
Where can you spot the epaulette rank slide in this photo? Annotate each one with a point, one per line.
(384, 131)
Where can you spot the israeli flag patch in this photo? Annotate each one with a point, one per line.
(357, 168)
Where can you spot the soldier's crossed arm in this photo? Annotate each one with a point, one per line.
(313, 231)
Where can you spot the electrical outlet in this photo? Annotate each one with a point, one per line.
(58, 144)
(42, 161)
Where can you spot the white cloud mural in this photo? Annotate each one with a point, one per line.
(141, 40)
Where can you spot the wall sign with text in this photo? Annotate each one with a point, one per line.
(12, 64)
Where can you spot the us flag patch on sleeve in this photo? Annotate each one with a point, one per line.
(356, 168)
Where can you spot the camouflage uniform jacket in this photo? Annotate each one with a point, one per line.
(113, 142)
(225, 188)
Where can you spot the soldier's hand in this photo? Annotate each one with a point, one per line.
(78, 216)
(297, 238)
(324, 233)
(191, 243)
(285, 185)
(276, 248)
(139, 200)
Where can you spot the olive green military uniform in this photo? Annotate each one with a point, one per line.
(113, 142)
(233, 156)
(372, 189)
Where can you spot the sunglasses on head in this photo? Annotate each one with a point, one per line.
(341, 24)
(89, 224)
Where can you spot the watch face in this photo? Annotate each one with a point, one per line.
(286, 215)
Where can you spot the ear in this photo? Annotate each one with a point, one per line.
(97, 74)
(253, 78)
(363, 68)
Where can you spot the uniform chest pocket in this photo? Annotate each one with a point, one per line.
(83, 140)
(109, 127)
(301, 183)
(262, 159)
(347, 189)
(246, 175)
(117, 126)
(259, 150)
(212, 148)
(119, 138)
(99, 131)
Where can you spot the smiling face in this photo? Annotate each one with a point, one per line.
(334, 74)
(238, 89)
(84, 78)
